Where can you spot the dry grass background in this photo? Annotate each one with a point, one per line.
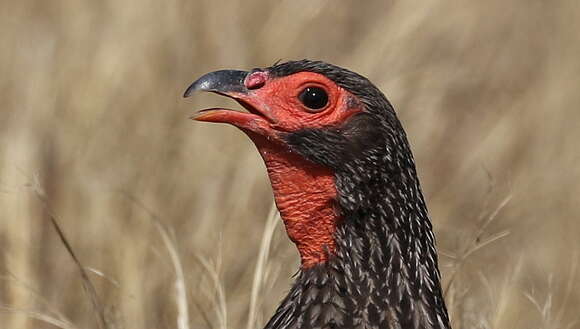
(92, 120)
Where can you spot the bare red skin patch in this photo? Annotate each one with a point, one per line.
(305, 192)
(256, 80)
(305, 195)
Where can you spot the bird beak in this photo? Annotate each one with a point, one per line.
(221, 82)
(232, 83)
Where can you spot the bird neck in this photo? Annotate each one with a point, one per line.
(379, 277)
(384, 271)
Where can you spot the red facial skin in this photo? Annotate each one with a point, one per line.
(305, 192)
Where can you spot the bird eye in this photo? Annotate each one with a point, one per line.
(314, 98)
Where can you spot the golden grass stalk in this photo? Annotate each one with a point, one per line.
(261, 265)
(88, 286)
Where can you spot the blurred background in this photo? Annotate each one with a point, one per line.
(168, 217)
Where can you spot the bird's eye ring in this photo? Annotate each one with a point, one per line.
(314, 98)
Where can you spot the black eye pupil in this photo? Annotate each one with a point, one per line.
(314, 98)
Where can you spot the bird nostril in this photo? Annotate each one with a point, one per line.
(256, 80)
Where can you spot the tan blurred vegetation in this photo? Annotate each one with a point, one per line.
(91, 115)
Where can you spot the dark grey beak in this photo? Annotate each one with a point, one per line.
(221, 82)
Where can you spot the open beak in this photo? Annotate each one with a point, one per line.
(231, 83)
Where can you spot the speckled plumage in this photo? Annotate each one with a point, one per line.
(384, 271)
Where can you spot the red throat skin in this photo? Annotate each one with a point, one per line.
(305, 195)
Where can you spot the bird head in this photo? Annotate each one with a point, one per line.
(326, 135)
(277, 106)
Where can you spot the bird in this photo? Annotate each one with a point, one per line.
(345, 183)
